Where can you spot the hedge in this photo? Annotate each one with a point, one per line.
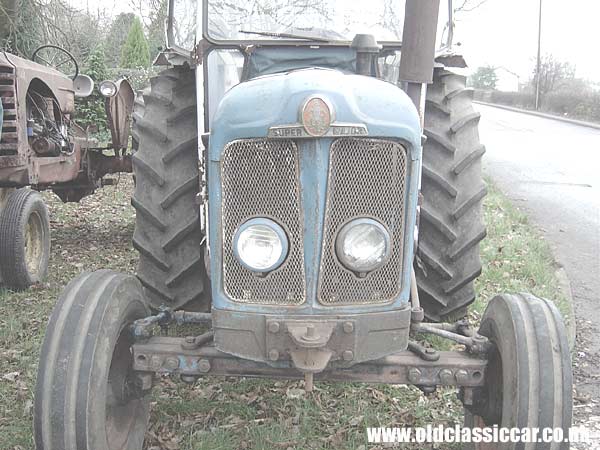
(583, 105)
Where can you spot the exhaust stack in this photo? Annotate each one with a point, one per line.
(418, 48)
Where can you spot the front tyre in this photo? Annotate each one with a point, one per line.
(528, 380)
(24, 239)
(86, 396)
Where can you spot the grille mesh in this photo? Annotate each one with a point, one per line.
(367, 178)
(260, 178)
(10, 126)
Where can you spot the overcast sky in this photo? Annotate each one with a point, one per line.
(504, 33)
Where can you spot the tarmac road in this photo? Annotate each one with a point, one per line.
(551, 170)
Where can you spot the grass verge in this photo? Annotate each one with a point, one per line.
(233, 414)
(515, 256)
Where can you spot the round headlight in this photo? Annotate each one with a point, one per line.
(363, 245)
(260, 245)
(108, 88)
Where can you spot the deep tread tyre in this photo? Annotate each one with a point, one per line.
(167, 231)
(451, 224)
(24, 239)
(138, 113)
(528, 380)
(83, 396)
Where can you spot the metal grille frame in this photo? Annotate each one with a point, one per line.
(261, 178)
(367, 178)
(9, 134)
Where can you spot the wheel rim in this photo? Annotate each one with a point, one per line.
(34, 243)
(491, 413)
(494, 389)
(479, 423)
(125, 408)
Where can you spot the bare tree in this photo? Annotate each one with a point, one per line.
(265, 15)
(8, 10)
(390, 20)
(28, 24)
(148, 10)
(469, 5)
(458, 9)
(553, 75)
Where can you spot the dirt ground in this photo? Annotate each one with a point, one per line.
(586, 375)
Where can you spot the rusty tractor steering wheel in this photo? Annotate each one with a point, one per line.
(58, 58)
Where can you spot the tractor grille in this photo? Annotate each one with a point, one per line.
(9, 132)
(260, 178)
(367, 178)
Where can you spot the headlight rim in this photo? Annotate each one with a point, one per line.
(347, 226)
(274, 226)
(113, 85)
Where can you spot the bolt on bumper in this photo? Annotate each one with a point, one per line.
(172, 355)
(311, 343)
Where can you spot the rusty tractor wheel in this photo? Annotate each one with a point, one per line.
(528, 379)
(87, 397)
(24, 239)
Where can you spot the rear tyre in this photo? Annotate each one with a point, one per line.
(138, 113)
(86, 395)
(24, 239)
(451, 223)
(528, 379)
(167, 230)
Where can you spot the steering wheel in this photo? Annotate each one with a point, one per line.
(58, 58)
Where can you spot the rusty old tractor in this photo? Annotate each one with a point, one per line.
(308, 204)
(43, 148)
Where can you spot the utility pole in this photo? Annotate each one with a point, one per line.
(539, 62)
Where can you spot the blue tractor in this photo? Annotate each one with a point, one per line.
(308, 195)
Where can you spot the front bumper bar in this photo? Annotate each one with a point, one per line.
(174, 355)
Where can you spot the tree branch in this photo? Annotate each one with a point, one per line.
(468, 6)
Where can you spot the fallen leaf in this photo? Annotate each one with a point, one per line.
(11, 376)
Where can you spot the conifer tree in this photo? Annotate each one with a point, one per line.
(135, 53)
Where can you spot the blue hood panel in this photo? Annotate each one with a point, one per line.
(251, 108)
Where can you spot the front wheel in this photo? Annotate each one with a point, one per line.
(87, 397)
(528, 379)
